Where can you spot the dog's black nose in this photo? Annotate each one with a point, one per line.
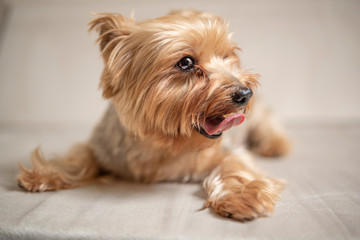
(242, 97)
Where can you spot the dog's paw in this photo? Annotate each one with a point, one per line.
(245, 202)
(275, 147)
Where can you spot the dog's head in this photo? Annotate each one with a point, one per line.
(175, 77)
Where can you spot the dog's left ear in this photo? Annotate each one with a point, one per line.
(113, 30)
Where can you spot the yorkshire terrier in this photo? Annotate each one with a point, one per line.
(175, 84)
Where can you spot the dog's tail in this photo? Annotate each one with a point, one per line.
(76, 168)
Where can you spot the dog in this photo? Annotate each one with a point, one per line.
(175, 84)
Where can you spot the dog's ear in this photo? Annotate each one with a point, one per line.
(113, 30)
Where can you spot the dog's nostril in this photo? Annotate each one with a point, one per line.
(239, 99)
(242, 97)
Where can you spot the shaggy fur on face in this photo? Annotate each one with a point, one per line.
(152, 97)
(175, 84)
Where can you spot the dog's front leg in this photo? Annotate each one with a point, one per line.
(238, 189)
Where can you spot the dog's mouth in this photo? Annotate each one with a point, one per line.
(213, 127)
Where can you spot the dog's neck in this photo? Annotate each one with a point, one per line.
(168, 145)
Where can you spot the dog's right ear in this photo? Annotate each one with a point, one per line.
(113, 30)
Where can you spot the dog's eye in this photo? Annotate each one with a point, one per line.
(186, 64)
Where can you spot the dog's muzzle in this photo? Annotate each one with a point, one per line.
(214, 126)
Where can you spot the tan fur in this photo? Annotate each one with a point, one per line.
(266, 136)
(74, 169)
(148, 132)
(237, 189)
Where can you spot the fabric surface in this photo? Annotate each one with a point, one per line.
(321, 201)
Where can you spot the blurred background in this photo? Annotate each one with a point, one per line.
(308, 53)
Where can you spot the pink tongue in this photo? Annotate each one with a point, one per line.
(229, 122)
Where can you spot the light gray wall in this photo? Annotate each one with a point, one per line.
(308, 53)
